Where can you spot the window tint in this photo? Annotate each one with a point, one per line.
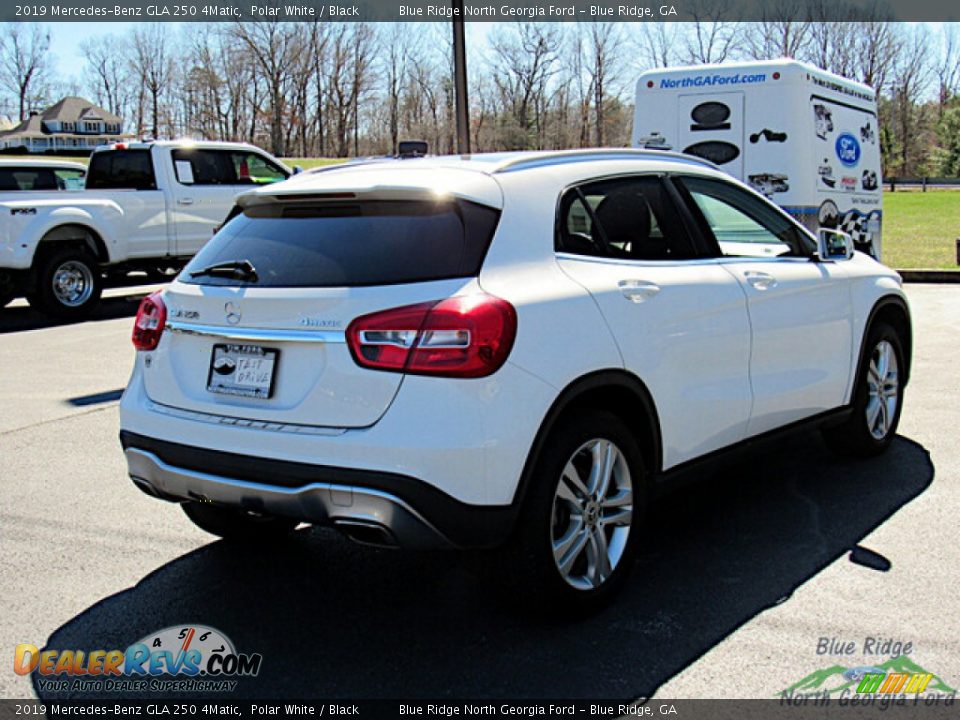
(629, 218)
(743, 225)
(195, 166)
(69, 179)
(121, 169)
(28, 179)
(351, 244)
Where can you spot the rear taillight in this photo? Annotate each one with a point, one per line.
(468, 336)
(151, 318)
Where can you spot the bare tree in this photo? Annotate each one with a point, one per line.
(24, 60)
(348, 82)
(275, 47)
(782, 31)
(657, 45)
(397, 46)
(909, 82)
(524, 60)
(710, 37)
(152, 61)
(861, 45)
(603, 64)
(108, 69)
(948, 69)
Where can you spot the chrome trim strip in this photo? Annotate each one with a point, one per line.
(257, 335)
(721, 260)
(229, 421)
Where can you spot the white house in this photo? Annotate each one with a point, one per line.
(73, 125)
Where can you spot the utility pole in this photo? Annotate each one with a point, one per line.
(460, 79)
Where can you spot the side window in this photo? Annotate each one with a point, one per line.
(195, 166)
(743, 225)
(27, 179)
(629, 218)
(69, 179)
(253, 168)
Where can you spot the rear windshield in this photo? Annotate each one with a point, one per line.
(121, 170)
(350, 244)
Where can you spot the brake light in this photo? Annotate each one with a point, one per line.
(469, 336)
(151, 319)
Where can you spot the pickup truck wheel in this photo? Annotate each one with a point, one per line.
(578, 534)
(234, 524)
(877, 400)
(68, 284)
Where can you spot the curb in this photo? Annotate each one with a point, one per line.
(930, 276)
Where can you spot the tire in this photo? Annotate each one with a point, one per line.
(565, 510)
(232, 524)
(876, 404)
(9, 289)
(68, 283)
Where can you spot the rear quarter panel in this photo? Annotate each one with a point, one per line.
(561, 334)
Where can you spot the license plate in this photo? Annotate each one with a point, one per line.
(244, 370)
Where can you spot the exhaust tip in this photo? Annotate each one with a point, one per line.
(144, 486)
(366, 533)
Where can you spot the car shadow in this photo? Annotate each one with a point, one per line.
(23, 317)
(333, 619)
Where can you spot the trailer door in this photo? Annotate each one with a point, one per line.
(711, 127)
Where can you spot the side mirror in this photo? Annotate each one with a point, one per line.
(297, 169)
(833, 245)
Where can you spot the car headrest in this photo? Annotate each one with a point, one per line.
(625, 218)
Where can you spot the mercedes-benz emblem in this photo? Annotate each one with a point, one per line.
(233, 313)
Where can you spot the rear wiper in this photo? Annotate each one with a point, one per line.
(237, 269)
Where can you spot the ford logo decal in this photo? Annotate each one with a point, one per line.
(848, 149)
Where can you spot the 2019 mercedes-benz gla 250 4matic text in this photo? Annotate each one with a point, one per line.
(500, 350)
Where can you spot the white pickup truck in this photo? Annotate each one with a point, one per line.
(146, 206)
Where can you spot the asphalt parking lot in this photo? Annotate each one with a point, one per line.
(740, 578)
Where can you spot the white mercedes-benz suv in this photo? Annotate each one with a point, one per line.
(510, 350)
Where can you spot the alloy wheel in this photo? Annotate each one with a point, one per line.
(883, 388)
(592, 514)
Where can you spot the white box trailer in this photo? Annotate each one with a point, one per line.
(805, 138)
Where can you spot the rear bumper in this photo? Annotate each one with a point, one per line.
(384, 508)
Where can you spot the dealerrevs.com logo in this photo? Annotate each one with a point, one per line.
(177, 658)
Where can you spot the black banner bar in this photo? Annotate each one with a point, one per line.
(477, 11)
(895, 706)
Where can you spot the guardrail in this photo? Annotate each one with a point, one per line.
(921, 182)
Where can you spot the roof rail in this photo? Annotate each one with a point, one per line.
(559, 157)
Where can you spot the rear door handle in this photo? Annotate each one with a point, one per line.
(185, 201)
(638, 291)
(760, 280)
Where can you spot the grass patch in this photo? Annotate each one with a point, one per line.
(920, 230)
(310, 163)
